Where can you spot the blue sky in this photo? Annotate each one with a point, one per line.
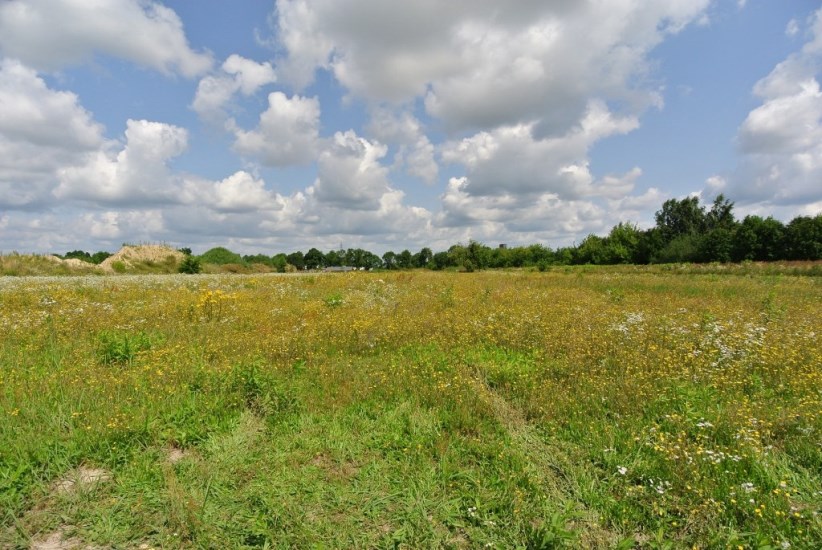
(275, 126)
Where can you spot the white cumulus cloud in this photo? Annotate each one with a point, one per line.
(416, 152)
(236, 75)
(780, 141)
(287, 132)
(479, 66)
(511, 160)
(136, 174)
(41, 130)
(350, 174)
(240, 192)
(522, 95)
(51, 34)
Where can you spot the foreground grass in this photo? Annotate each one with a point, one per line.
(593, 408)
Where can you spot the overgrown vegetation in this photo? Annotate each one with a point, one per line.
(672, 406)
(15, 264)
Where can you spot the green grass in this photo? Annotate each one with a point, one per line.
(593, 409)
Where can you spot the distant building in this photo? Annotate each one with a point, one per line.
(339, 269)
(503, 245)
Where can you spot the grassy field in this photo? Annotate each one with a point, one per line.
(602, 408)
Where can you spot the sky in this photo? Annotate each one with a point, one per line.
(276, 126)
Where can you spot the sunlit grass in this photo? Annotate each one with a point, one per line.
(586, 407)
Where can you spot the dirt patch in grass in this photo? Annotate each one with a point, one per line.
(59, 541)
(81, 478)
(335, 469)
(176, 454)
(56, 541)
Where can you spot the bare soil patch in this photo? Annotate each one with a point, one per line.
(81, 478)
(59, 541)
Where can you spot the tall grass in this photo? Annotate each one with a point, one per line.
(588, 408)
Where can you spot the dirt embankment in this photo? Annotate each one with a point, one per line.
(130, 257)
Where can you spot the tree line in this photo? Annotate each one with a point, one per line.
(685, 231)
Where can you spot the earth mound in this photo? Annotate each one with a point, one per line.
(142, 257)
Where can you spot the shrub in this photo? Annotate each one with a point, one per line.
(334, 300)
(233, 268)
(190, 265)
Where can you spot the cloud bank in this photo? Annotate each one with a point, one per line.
(479, 121)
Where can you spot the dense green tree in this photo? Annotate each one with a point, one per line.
(650, 242)
(591, 250)
(759, 240)
(361, 258)
(279, 262)
(423, 257)
(721, 214)
(803, 238)
(564, 256)
(716, 245)
(500, 257)
(457, 255)
(519, 256)
(478, 255)
(405, 260)
(220, 256)
(297, 259)
(389, 260)
(539, 254)
(355, 257)
(683, 248)
(622, 244)
(334, 258)
(680, 217)
(314, 259)
(441, 260)
(371, 260)
(258, 259)
(99, 257)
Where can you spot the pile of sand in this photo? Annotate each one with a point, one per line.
(69, 262)
(132, 255)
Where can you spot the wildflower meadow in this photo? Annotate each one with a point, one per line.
(581, 407)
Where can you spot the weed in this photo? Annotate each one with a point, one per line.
(121, 348)
(334, 300)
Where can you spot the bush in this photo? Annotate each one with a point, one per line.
(190, 265)
(118, 266)
(232, 268)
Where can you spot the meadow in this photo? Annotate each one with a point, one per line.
(579, 407)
